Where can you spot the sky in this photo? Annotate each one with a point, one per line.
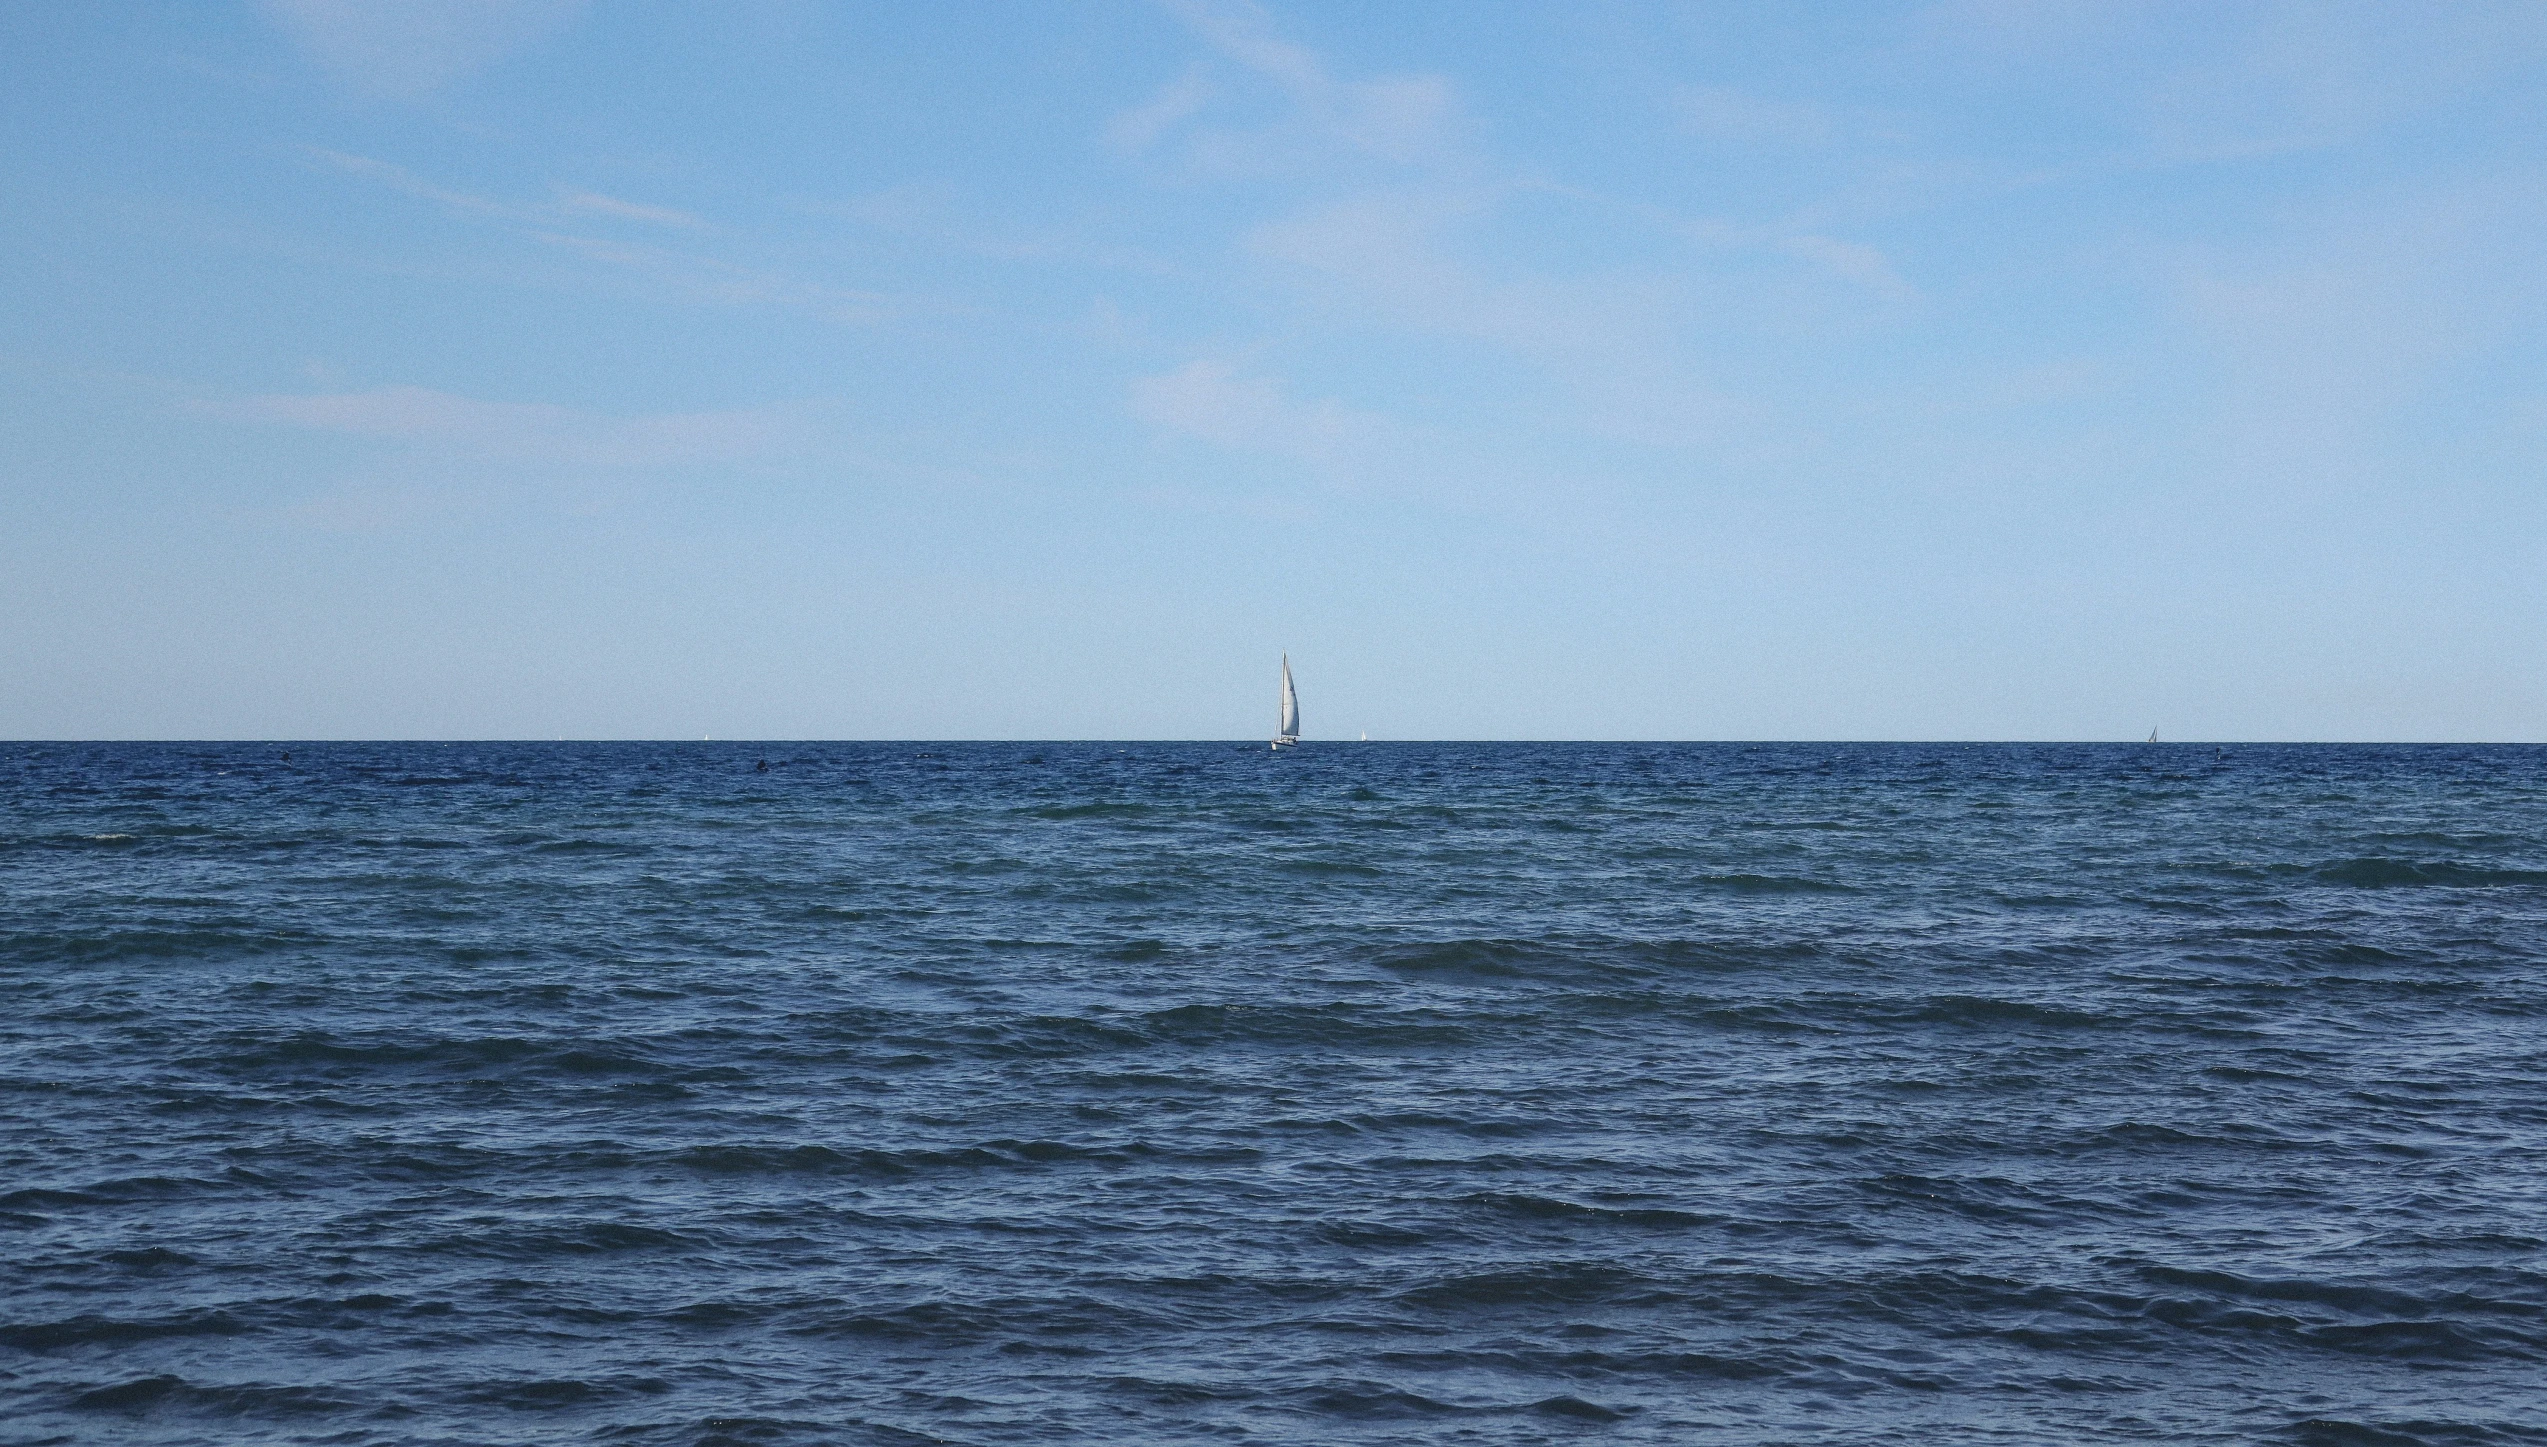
(1963, 369)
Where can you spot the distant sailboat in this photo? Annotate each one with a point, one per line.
(2153, 736)
(1289, 732)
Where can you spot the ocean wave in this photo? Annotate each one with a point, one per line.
(1987, 1010)
(1574, 960)
(546, 1394)
(543, 1241)
(506, 1055)
(1430, 1094)
(224, 941)
(249, 1400)
(92, 1329)
(1560, 1283)
(1309, 1024)
(2323, 1431)
(2388, 873)
(1549, 1208)
(1772, 884)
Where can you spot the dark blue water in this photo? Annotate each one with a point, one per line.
(1182, 1093)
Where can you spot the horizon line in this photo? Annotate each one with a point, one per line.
(1252, 742)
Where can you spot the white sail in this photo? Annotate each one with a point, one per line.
(1290, 704)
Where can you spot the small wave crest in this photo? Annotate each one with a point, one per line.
(2389, 873)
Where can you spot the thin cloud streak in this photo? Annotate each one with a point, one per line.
(1396, 120)
(596, 204)
(407, 49)
(1722, 113)
(690, 274)
(571, 202)
(1210, 400)
(1398, 249)
(422, 419)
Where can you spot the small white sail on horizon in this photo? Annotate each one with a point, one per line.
(1289, 730)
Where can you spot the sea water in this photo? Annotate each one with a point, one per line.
(1364, 1093)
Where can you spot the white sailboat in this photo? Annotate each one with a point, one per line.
(2153, 736)
(1289, 731)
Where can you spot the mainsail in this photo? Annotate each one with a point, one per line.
(1290, 704)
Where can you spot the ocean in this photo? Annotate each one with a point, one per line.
(1186, 1092)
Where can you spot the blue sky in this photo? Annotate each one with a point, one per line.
(1937, 370)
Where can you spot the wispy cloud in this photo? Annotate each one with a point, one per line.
(1342, 451)
(423, 419)
(593, 203)
(1609, 343)
(1141, 127)
(2304, 77)
(2191, 83)
(1393, 250)
(437, 460)
(407, 183)
(403, 49)
(2319, 350)
(688, 274)
(935, 213)
(1211, 400)
(1860, 265)
(569, 203)
(1399, 120)
(1850, 261)
(1724, 114)
(1399, 233)
(711, 279)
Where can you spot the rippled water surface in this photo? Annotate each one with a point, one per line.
(1183, 1093)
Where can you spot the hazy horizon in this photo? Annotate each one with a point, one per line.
(1943, 371)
